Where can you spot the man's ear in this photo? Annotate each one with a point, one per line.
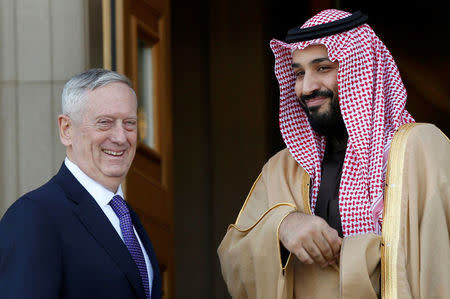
(65, 129)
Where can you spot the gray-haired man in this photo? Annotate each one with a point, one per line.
(75, 237)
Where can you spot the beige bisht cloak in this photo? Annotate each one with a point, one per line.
(410, 260)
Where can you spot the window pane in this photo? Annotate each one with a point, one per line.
(146, 95)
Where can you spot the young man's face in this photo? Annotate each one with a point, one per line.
(316, 87)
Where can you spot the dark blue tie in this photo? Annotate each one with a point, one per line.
(126, 226)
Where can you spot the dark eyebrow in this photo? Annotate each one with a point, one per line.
(314, 61)
(319, 60)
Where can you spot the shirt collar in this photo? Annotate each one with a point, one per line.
(101, 195)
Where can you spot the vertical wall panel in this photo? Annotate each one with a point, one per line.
(7, 41)
(34, 135)
(68, 40)
(42, 44)
(59, 151)
(8, 146)
(8, 120)
(33, 40)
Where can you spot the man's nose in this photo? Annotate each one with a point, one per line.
(310, 84)
(118, 133)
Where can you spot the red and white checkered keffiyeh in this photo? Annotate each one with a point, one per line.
(372, 99)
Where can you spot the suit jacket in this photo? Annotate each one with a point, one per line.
(56, 242)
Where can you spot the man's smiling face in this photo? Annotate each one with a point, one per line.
(103, 141)
(317, 89)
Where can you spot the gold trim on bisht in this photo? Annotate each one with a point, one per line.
(305, 193)
(392, 212)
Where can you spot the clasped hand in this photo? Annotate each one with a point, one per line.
(310, 238)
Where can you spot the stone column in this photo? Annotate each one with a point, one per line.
(42, 44)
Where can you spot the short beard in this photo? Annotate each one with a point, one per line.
(329, 123)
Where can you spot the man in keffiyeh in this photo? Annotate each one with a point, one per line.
(358, 204)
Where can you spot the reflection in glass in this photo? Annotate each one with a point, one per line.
(145, 95)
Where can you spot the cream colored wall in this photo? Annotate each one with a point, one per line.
(42, 44)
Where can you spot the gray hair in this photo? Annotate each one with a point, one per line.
(75, 90)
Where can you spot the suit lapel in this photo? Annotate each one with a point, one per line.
(95, 221)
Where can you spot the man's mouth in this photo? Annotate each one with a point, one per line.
(316, 98)
(113, 153)
(316, 102)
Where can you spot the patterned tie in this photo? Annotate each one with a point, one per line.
(120, 208)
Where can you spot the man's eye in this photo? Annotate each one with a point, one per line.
(104, 123)
(300, 74)
(132, 124)
(324, 68)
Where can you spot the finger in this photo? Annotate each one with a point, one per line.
(304, 257)
(333, 240)
(315, 253)
(324, 247)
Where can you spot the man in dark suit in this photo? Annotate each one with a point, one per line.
(75, 237)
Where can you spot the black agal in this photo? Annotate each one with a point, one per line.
(298, 34)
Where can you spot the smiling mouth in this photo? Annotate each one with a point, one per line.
(316, 101)
(113, 153)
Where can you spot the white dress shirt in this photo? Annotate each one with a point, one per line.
(103, 196)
